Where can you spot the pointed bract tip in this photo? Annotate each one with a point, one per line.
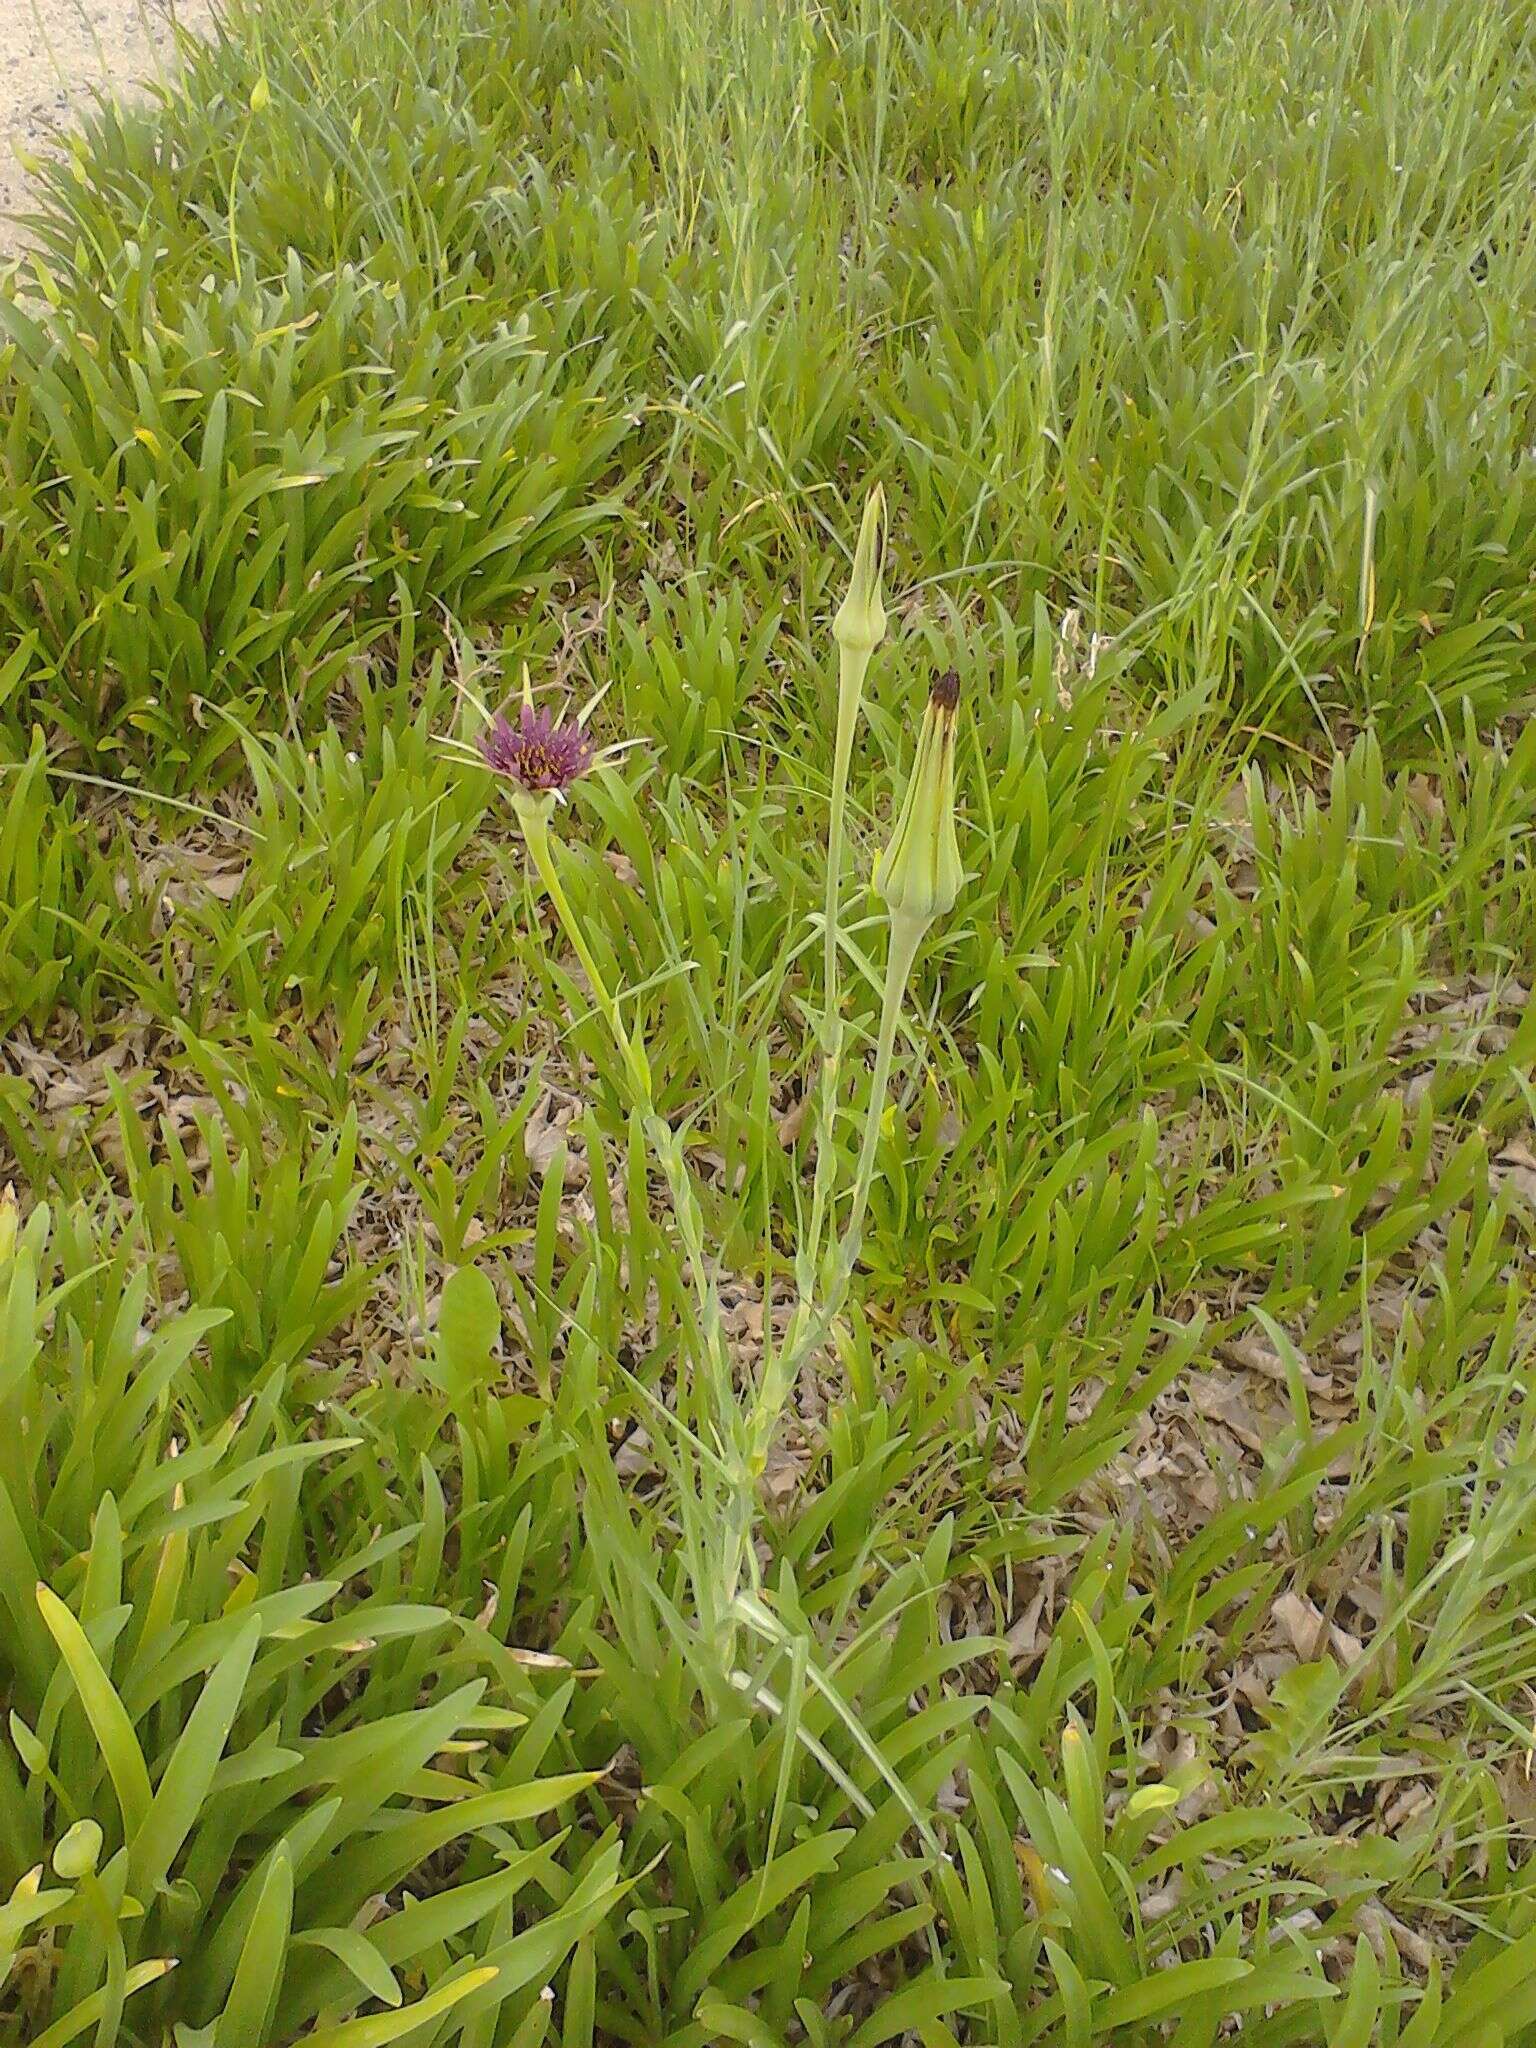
(920, 873)
(860, 621)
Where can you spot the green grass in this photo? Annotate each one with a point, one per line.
(1131, 1636)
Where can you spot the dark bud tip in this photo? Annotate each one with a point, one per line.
(945, 691)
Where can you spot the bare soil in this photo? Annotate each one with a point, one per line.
(54, 54)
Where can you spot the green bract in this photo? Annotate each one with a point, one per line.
(860, 620)
(919, 875)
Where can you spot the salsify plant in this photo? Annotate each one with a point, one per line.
(538, 758)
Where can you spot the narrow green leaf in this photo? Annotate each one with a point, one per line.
(1162, 1990)
(377, 2030)
(104, 1710)
(184, 1786)
(468, 1326)
(358, 1954)
(89, 2010)
(247, 2014)
(919, 2004)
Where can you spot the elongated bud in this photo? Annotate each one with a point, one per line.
(919, 874)
(860, 622)
(9, 1221)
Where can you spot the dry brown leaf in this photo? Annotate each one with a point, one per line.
(783, 1477)
(1255, 1355)
(1219, 1402)
(1516, 1163)
(1381, 1927)
(1305, 1625)
(225, 883)
(1517, 1782)
(545, 1136)
(1024, 1637)
(1426, 798)
(792, 1122)
(633, 1459)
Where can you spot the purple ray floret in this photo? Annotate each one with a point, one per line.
(536, 752)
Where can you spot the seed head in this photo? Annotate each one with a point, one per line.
(920, 873)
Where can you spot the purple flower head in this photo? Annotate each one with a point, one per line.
(536, 753)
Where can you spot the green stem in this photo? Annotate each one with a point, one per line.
(667, 1150)
(853, 664)
(812, 1322)
(536, 834)
(753, 1434)
(906, 936)
(779, 1369)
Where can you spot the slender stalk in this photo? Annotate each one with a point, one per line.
(745, 1432)
(536, 836)
(858, 628)
(814, 1319)
(666, 1149)
(853, 663)
(906, 936)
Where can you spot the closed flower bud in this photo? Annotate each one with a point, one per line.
(860, 622)
(79, 1851)
(919, 874)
